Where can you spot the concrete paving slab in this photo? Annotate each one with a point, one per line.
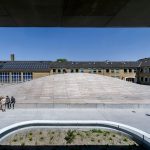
(78, 88)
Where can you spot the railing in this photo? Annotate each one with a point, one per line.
(137, 134)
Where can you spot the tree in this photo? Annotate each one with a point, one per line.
(61, 60)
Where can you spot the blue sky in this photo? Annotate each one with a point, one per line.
(75, 43)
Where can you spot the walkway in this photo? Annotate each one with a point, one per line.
(135, 118)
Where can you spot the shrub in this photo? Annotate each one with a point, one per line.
(14, 140)
(30, 138)
(125, 139)
(114, 135)
(110, 139)
(70, 137)
(41, 138)
(30, 133)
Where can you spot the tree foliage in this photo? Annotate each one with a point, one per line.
(61, 60)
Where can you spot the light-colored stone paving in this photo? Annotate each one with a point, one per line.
(78, 88)
(137, 119)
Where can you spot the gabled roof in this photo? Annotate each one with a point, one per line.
(90, 64)
(42, 66)
(144, 62)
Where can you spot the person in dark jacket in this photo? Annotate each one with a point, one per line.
(13, 101)
(8, 102)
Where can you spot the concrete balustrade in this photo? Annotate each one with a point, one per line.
(141, 136)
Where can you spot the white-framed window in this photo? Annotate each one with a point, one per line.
(16, 77)
(4, 77)
(146, 70)
(27, 76)
(81, 70)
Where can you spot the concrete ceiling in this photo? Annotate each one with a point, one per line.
(75, 13)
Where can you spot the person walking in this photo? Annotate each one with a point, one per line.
(13, 101)
(8, 102)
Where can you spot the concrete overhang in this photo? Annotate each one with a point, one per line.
(75, 13)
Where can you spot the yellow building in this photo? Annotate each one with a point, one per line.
(21, 71)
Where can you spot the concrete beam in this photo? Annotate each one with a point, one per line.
(78, 13)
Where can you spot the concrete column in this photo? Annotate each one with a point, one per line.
(10, 77)
(21, 76)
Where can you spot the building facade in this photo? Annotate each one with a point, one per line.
(21, 71)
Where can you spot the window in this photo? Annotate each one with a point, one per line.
(64, 71)
(146, 79)
(4, 77)
(54, 70)
(130, 70)
(141, 79)
(134, 70)
(107, 70)
(16, 77)
(141, 70)
(125, 70)
(94, 71)
(81, 70)
(99, 71)
(112, 70)
(77, 70)
(72, 71)
(146, 70)
(27, 76)
(59, 71)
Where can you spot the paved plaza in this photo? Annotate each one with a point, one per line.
(78, 88)
(137, 118)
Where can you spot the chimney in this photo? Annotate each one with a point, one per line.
(12, 57)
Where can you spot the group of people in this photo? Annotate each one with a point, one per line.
(7, 103)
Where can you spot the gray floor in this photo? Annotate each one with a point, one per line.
(137, 119)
